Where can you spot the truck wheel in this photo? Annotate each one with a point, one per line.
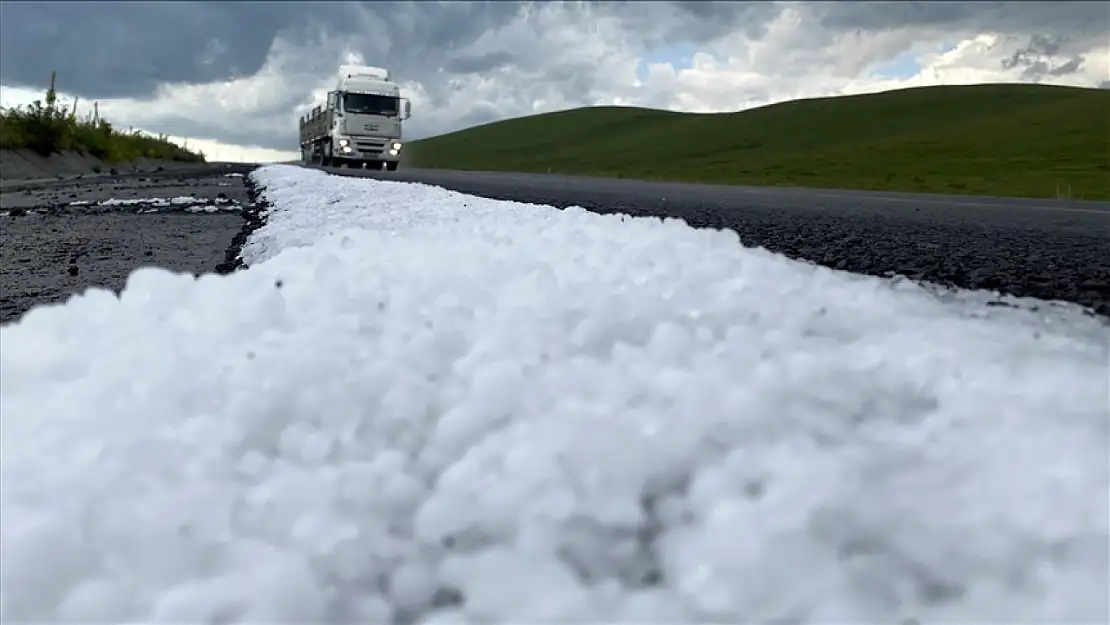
(325, 155)
(392, 165)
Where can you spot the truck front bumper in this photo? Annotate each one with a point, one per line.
(369, 149)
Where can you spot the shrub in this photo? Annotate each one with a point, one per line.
(48, 127)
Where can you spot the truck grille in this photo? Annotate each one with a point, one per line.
(369, 148)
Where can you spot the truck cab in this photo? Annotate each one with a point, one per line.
(361, 124)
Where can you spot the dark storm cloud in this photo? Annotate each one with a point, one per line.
(1079, 19)
(106, 50)
(1038, 46)
(127, 49)
(477, 64)
(1069, 67)
(1032, 58)
(1037, 70)
(663, 22)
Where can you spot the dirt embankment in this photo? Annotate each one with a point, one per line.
(24, 165)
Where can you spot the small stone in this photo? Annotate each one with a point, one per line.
(446, 597)
(653, 577)
(753, 489)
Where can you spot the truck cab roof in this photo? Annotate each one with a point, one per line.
(365, 79)
(363, 71)
(375, 87)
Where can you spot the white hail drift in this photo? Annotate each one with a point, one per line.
(422, 406)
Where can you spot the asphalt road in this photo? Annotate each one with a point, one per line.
(60, 237)
(1047, 249)
(57, 238)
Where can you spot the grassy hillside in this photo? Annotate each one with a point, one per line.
(48, 127)
(1014, 140)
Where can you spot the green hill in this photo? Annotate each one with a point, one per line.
(1007, 139)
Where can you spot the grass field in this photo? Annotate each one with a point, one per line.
(47, 127)
(1008, 140)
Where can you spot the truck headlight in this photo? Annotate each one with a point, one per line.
(343, 143)
(396, 145)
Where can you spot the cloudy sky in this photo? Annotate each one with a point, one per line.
(234, 76)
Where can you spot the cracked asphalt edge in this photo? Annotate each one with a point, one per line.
(254, 217)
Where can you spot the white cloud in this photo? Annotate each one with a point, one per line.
(795, 59)
(557, 56)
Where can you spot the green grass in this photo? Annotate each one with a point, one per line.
(47, 127)
(1006, 139)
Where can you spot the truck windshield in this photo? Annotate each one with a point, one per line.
(367, 104)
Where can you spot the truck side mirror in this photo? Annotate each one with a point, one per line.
(408, 109)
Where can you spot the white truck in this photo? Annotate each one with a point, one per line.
(361, 123)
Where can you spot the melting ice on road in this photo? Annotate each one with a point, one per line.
(421, 406)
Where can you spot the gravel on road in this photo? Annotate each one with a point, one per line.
(60, 237)
(1050, 250)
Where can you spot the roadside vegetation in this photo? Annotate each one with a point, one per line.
(49, 127)
(1004, 139)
